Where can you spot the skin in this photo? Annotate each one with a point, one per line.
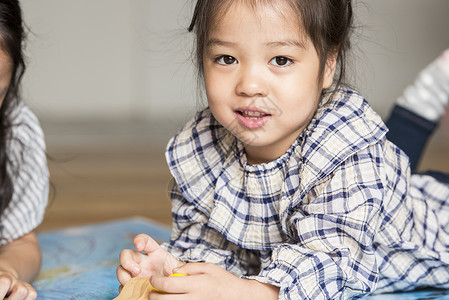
(203, 280)
(5, 74)
(258, 61)
(20, 260)
(154, 262)
(263, 63)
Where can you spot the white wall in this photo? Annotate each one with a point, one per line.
(129, 59)
(107, 59)
(398, 38)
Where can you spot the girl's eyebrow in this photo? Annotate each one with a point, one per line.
(288, 43)
(217, 42)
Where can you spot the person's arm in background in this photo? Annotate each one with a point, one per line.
(20, 261)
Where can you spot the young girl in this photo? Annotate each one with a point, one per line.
(23, 168)
(286, 186)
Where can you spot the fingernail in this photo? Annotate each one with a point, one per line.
(139, 245)
(136, 269)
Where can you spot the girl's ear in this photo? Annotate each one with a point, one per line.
(329, 70)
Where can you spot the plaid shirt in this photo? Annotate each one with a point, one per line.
(337, 216)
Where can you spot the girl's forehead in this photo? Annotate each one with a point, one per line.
(258, 8)
(277, 16)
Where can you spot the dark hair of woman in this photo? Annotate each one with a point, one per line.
(11, 41)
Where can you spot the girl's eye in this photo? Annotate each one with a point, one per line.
(226, 60)
(281, 61)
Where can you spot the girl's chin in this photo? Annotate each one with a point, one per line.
(253, 140)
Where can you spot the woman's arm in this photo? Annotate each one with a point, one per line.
(20, 262)
(22, 257)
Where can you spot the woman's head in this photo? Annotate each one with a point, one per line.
(327, 23)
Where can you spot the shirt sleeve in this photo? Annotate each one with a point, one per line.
(30, 177)
(192, 240)
(334, 229)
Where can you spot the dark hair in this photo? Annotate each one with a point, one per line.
(328, 24)
(11, 42)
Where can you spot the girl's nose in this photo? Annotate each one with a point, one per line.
(251, 83)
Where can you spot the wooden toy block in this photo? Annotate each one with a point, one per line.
(136, 288)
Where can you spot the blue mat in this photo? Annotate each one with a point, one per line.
(80, 262)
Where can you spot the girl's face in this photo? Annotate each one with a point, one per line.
(261, 78)
(5, 74)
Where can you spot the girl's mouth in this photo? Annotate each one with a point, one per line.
(252, 119)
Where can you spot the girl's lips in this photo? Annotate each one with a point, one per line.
(252, 119)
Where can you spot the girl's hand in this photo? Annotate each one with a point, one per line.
(154, 262)
(208, 281)
(13, 288)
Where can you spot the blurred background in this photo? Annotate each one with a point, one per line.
(112, 81)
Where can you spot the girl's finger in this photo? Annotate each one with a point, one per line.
(145, 243)
(171, 285)
(192, 268)
(129, 260)
(122, 275)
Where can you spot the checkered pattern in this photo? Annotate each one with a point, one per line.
(29, 199)
(335, 217)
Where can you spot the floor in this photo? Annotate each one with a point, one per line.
(103, 184)
(113, 171)
(106, 172)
